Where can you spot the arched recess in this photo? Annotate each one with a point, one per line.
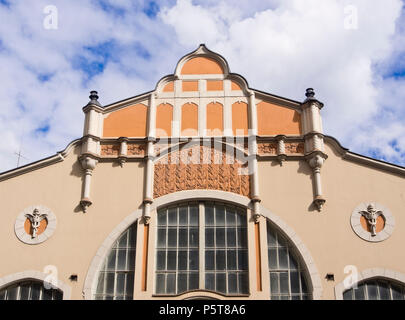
(36, 276)
(164, 118)
(314, 280)
(189, 119)
(370, 274)
(215, 122)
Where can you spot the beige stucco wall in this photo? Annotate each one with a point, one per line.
(115, 192)
(286, 191)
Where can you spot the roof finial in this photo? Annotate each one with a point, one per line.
(310, 93)
(94, 98)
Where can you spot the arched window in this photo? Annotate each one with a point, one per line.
(30, 290)
(116, 277)
(202, 246)
(287, 281)
(376, 289)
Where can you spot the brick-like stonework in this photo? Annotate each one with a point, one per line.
(110, 149)
(135, 149)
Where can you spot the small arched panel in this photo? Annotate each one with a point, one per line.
(30, 290)
(116, 276)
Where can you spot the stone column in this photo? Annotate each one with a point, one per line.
(90, 145)
(314, 144)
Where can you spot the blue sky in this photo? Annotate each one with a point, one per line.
(122, 48)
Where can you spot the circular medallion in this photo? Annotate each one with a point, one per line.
(372, 222)
(35, 224)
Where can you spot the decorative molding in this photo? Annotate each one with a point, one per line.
(371, 211)
(110, 149)
(33, 216)
(199, 167)
(36, 275)
(369, 274)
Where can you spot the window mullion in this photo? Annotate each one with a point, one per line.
(201, 245)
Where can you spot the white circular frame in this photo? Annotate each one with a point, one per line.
(365, 235)
(27, 238)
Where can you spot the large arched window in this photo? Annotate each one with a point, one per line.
(376, 289)
(287, 281)
(116, 277)
(202, 246)
(30, 290)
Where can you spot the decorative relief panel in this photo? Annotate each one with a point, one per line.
(267, 148)
(200, 167)
(35, 224)
(372, 222)
(135, 149)
(110, 149)
(294, 147)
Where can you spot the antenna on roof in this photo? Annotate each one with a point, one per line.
(19, 157)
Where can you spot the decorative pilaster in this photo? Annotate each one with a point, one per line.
(281, 154)
(148, 200)
(253, 168)
(122, 158)
(90, 145)
(314, 145)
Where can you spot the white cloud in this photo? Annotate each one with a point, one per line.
(281, 47)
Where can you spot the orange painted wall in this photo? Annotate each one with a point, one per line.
(164, 118)
(235, 86)
(214, 85)
(126, 122)
(215, 117)
(240, 117)
(190, 85)
(169, 87)
(274, 120)
(189, 119)
(201, 65)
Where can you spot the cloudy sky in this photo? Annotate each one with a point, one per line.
(351, 52)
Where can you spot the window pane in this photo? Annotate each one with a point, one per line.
(36, 291)
(348, 295)
(131, 260)
(181, 282)
(220, 215)
(172, 217)
(241, 219)
(122, 242)
(231, 259)
(359, 292)
(221, 282)
(209, 215)
(293, 262)
(182, 260)
(271, 237)
(130, 284)
(12, 293)
(110, 280)
(242, 260)
(209, 237)
(372, 291)
(210, 281)
(47, 294)
(171, 283)
(230, 217)
(283, 258)
(220, 260)
(111, 260)
(231, 237)
(232, 283)
(160, 283)
(171, 260)
(194, 215)
(161, 260)
(120, 289)
(25, 291)
(209, 260)
(162, 217)
(2, 294)
(193, 281)
(242, 238)
(384, 291)
(122, 262)
(284, 287)
(295, 282)
(243, 282)
(193, 263)
(183, 238)
(274, 283)
(194, 237)
(161, 238)
(183, 216)
(220, 237)
(273, 259)
(397, 292)
(172, 238)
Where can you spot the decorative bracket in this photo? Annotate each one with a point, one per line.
(316, 160)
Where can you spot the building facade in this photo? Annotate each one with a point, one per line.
(203, 188)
